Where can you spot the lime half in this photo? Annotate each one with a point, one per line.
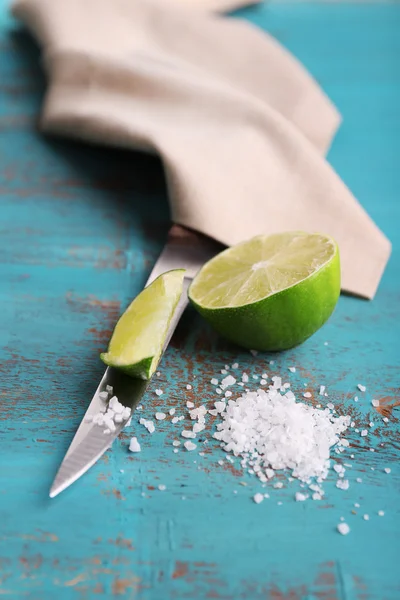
(271, 292)
(138, 339)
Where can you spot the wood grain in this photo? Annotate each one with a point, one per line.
(80, 228)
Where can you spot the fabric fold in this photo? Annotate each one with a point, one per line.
(242, 128)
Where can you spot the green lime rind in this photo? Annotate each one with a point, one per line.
(144, 369)
(139, 336)
(283, 319)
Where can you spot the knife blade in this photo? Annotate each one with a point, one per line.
(185, 249)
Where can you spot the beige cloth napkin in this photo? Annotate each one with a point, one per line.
(240, 125)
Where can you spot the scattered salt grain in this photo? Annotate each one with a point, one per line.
(278, 485)
(292, 369)
(385, 420)
(361, 387)
(228, 394)
(316, 496)
(235, 365)
(375, 403)
(321, 390)
(158, 373)
(159, 392)
(263, 381)
(245, 378)
(134, 445)
(220, 406)
(190, 446)
(160, 416)
(188, 434)
(356, 505)
(355, 398)
(109, 389)
(300, 497)
(103, 396)
(307, 395)
(227, 381)
(343, 484)
(162, 487)
(172, 411)
(359, 480)
(175, 420)
(258, 498)
(188, 387)
(343, 528)
(214, 381)
(387, 470)
(364, 432)
(190, 404)
(213, 412)
(366, 517)
(197, 427)
(381, 513)
(176, 450)
(176, 443)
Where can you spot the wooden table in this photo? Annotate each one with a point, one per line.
(80, 230)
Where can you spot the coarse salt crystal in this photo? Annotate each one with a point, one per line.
(213, 412)
(227, 381)
(278, 485)
(103, 396)
(190, 446)
(258, 498)
(385, 420)
(343, 528)
(172, 411)
(228, 394)
(375, 403)
(176, 443)
(175, 420)
(220, 406)
(159, 392)
(321, 390)
(188, 387)
(190, 404)
(197, 427)
(109, 389)
(214, 381)
(343, 484)
(224, 371)
(292, 369)
(245, 378)
(364, 432)
(235, 365)
(134, 445)
(188, 434)
(381, 513)
(387, 470)
(361, 387)
(176, 450)
(316, 496)
(307, 395)
(299, 497)
(358, 479)
(162, 487)
(366, 517)
(160, 416)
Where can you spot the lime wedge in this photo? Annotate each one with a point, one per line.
(271, 292)
(138, 338)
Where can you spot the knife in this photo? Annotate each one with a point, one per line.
(185, 249)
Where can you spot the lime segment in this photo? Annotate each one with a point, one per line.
(271, 292)
(138, 338)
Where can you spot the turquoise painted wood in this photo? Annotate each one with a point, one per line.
(80, 229)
